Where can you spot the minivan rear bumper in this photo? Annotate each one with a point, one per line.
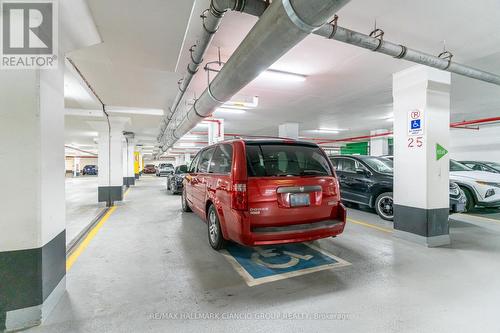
(291, 233)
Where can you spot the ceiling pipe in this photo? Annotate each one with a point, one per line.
(211, 20)
(459, 124)
(284, 24)
(474, 122)
(333, 31)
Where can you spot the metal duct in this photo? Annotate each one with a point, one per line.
(397, 51)
(211, 20)
(284, 24)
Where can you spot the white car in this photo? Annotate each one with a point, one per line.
(481, 188)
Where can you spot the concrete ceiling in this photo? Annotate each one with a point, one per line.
(145, 51)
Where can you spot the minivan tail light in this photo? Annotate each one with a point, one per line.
(239, 196)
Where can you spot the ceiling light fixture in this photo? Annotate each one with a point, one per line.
(230, 110)
(330, 130)
(275, 75)
(242, 102)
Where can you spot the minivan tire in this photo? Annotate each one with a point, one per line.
(471, 201)
(215, 237)
(381, 206)
(185, 204)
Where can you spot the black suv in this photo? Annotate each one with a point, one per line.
(368, 180)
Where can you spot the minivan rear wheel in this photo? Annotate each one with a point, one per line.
(185, 205)
(215, 237)
(384, 206)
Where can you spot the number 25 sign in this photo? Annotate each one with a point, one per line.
(417, 142)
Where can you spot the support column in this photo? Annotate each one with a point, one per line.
(137, 164)
(379, 146)
(32, 220)
(187, 158)
(129, 160)
(110, 179)
(141, 162)
(421, 171)
(289, 130)
(76, 167)
(215, 131)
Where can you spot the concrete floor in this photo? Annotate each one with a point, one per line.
(81, 204)
(149, 260)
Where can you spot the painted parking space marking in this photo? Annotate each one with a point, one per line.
(263, 264)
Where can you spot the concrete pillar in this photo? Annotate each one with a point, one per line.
(215, 131)
(421, 172)
(32, 220)
(110, 179)
(289, 130)
(141, 162)
(379, 146)
(76, 167)
(129, 160)
(137, 164)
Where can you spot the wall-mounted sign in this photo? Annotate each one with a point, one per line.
(415, 122)
(440, 152)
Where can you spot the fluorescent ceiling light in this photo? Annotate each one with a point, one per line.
(141, 111)
(329, 129)
(230, 110)
(275, 75)
(391, 120)
(186, 144)
(242, 102)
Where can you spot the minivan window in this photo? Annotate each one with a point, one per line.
(194, 163)
(205, 160)
(277, 160)
(222, 159)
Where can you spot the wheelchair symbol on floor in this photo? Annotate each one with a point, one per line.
(294, 258)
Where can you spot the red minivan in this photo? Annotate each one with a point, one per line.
(261, 192)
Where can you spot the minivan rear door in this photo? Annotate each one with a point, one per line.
(289, 183)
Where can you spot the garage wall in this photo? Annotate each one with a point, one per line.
(482, 145)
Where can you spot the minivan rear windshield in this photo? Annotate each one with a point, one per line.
(282, 160)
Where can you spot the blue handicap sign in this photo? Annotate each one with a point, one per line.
(416, 124)
(275, 262)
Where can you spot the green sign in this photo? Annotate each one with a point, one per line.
(440, 152)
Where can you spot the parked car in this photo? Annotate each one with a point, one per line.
(90, 170)
(262, 192)
(481, 188)
(149, 169)
(482, 166)
(164, 169)
(176, 179)
(368, 180)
